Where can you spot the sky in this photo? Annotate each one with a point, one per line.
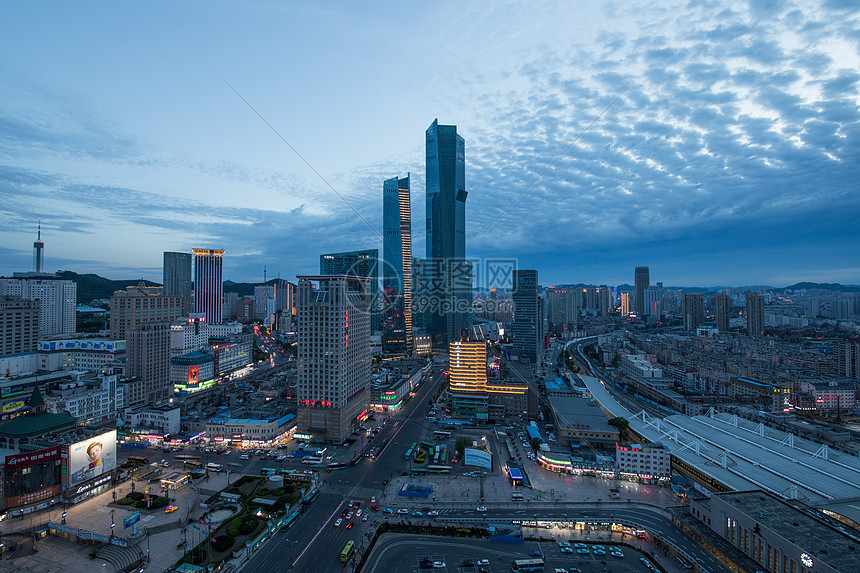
(716, 142)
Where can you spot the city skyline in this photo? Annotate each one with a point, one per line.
(727, 153)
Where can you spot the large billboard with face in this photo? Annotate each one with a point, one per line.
(478, 458)
(92, 457)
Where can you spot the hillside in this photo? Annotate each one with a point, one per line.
(92, 286)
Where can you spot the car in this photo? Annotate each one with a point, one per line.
(358, 513)
(598, 547)
(619, 554)
(646, 563)
(387, 510)
(373, 500)
(481, 508)
(559, 570)
(433, 513)
(417, 513)
(171, 508)
(438, 565)
(534, 553)
(374, 507)
(403, 510)
(349, 515)
(567, 550)
(349, 525)
(244, 457)
(467, 563)
(385, 482)
(563, 544)
(582, 551)
(338, 522)
(484, 562)
(598, 551)
(356, 504)
(580, 545)
(425, 563)
(364, 518)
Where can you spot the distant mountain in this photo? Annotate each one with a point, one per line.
(821, 286)
(244, 289)
(92, 286)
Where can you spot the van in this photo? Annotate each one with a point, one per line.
(214, 467)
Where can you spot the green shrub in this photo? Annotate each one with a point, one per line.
(135, 495)
(125, 501)
(249, 524)
(159, 502)
(223, 543)
(234, 527)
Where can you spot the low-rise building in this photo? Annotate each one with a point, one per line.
(774, 397)
(95, 354)
(581, 421)
(637, 366)
(232, 354)
(644, 460)
(91, 399)
(249, 430)
(149, 420)
(192, 372)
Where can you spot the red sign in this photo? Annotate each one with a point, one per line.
(192, 375)
(32, 458)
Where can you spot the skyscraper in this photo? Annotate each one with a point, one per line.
(527, 326)
(208, 283)
(19, 325)
(653, 306)
(333, 355)
(449, 275)
(148, 358)
(722, 306)
(694, 310)
(641, 281)
(755, 314)
(363, 264)
(176, 273)
(397, 271)
(140, 304)
(57, 300)
(625, 303)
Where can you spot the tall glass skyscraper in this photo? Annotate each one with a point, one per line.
(397, 271)
(177, 278)
(449, 275)
(208, 283)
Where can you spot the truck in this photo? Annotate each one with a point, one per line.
(214, 467)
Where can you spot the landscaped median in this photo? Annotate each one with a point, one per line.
(253, 508)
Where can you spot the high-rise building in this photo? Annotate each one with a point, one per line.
(471, 394)
(653, 305)
(842, 307)
(604, 300)
(57, 301)
(333, 355)
(230, 302)
(856, 303)
(625, 303)
(467, 366)
(694, 310)
(722, 306)
(641, 281)
(527, 326)
(449, 275)
(19, 325)
(285, 296)
(209, 283)
(176, 273)
(848, 357)
(262, 295)
(363, 264)
(140, 304)
(755, 314)
(397, 271)
(147, 354)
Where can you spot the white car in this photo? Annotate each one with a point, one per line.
(438, 565)
(338, 522)
(484, 562)
(481, 508)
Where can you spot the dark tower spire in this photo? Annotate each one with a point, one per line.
(38, 245)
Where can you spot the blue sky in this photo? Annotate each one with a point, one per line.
(731, 158)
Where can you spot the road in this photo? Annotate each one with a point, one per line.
(314, 543)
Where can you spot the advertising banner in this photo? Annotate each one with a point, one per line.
(32, 458)
(131, 520)
(478, 458)
(92, 457)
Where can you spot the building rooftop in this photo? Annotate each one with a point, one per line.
(580, 413)
(34, 425)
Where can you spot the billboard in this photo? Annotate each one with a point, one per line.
(478, 458)
(32, 458)
(92, 457)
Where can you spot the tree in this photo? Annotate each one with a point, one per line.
(621, 424)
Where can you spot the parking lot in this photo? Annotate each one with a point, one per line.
(400, 553)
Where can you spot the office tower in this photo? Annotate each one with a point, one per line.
(352, 263)
(176, 273)
(285, 296)
(755, 314)
(57, 301)
(694, 310)
(19, 325)
(722, 306)
(147, 354)
(419, 294)
(641, 281)
(472, 395)
(449, 276)
(397, 271)
(526, 327)
(653, 305)
(208, 283)
(847, 352)
(625, 303)
(262, 295)
(333, 355)
(187, 335)
(363, 264)
(467, 366)
(245, 309)
(229, 305)
(604, 300)
(561, 308)
(38, 246)
(140, 304)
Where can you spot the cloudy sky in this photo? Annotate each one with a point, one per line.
(716, 142)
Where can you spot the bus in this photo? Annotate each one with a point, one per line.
(311, 460)
(408, 454)
(440, 435)
(438, 469)
(436, 455)
(311, 496)
(427, 445)
(527, 565)
(347, 551)
(192, 464)
(419, 471)
(268, 471)
(443, 458)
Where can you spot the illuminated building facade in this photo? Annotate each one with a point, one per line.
(472, 395)
(397, 271)
(333, 355)
(208, 283)
(625, 304)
